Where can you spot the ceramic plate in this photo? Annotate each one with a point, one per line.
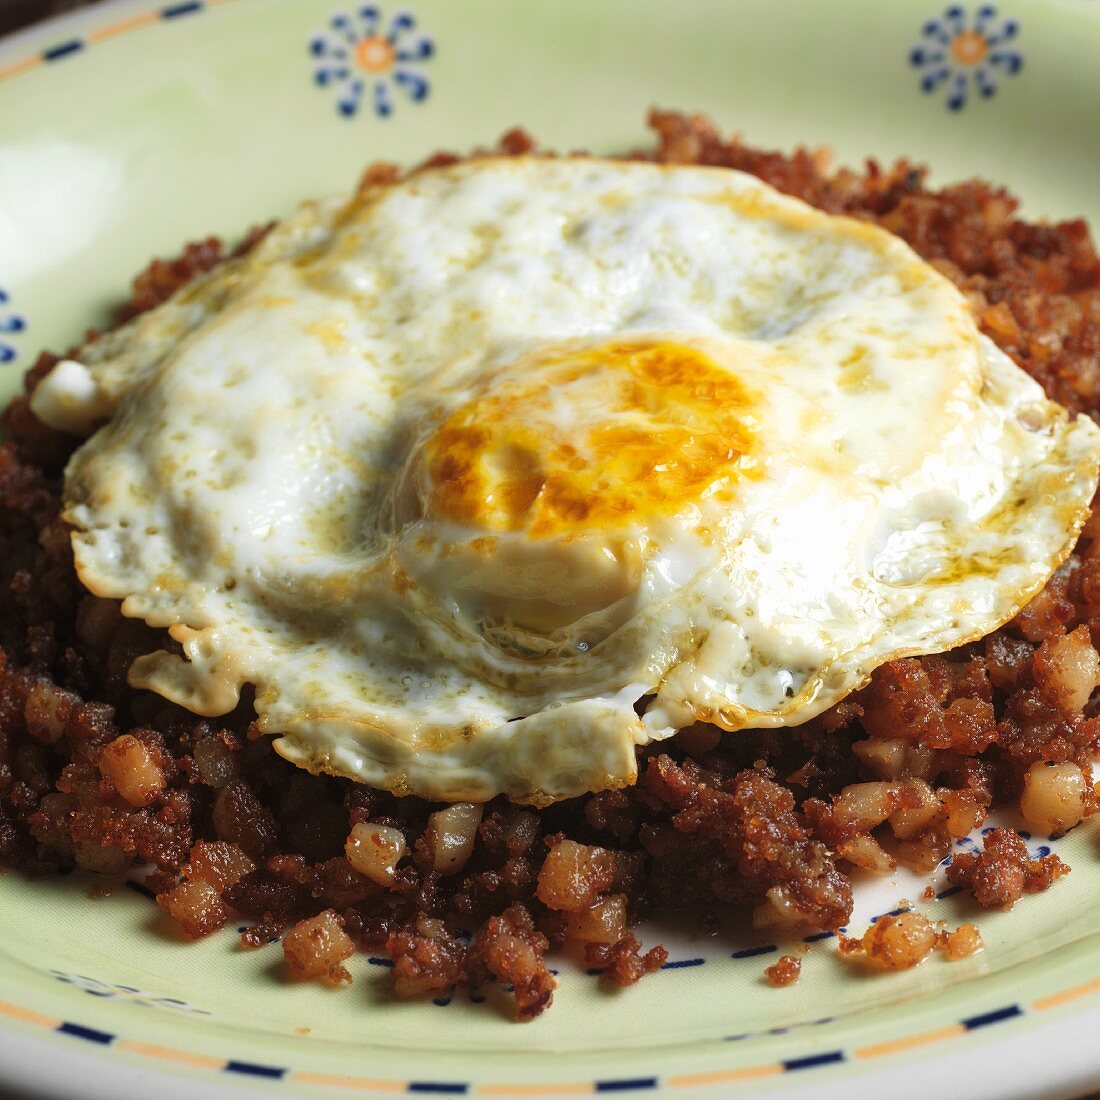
(134, 127)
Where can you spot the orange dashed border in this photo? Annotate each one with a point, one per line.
(725, 1076)
(335, 1080)
(1054, 1000)
(79, 44)
(26, 1016)
(347, 1083)
(122, 26)
(168, 1054)
(584, 1088)
(911, 1042)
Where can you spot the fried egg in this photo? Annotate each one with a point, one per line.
(488, 476)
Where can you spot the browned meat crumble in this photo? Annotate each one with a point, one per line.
(1003, 872)
(784, 971)
(97, 776)
(901, 940)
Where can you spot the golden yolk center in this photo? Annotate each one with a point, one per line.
(593, 438)
(969, 48)
(375, 54)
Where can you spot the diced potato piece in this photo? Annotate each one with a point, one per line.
(1054, 797)
(196, 905)
(452, 833)
(315, 949)
(130, 768)
(219, 863)
(1067, 669)
(574, 875)
(375, 851)
(605, 922)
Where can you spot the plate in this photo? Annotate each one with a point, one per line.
(131, 128)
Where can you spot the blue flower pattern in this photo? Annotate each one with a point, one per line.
(363, 55)
(10, 324)
(962, 54)
(114, 992)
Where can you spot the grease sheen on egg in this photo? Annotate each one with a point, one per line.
(488, 476)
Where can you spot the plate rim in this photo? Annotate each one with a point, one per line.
(30, 43)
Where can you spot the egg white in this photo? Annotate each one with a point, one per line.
(259, 487)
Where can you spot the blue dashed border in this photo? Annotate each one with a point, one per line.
(70, 47)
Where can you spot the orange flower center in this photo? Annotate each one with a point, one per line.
(969, 48)
(374, 54)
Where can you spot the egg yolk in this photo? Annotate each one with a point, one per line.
(554, 468)
(595, 438)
